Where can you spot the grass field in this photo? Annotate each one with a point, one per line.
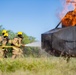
(37, 66)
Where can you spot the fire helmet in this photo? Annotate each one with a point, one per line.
(4, 31)
(19, 33)
(5, 35)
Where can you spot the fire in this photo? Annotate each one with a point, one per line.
(70, 17)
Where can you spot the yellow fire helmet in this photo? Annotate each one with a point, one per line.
(19, 33)
(4, 31)
(6, 34)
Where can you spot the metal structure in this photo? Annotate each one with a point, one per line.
(61, 40)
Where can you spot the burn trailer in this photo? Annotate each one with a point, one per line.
(61, 41)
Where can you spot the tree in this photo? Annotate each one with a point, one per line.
(32, 39)
(11, 34)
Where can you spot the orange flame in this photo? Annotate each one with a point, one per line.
(70, 17)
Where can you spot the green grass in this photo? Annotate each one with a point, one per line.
(37, 66)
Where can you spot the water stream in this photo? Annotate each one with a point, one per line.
(34, 44)
(38, 44)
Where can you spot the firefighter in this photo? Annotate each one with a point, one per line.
(4, 43)
(1, 40)
(16, 43)
(20, 39)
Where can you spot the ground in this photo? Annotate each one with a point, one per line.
(38, 66)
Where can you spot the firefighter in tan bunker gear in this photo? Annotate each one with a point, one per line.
(3, 42)
(17, 43)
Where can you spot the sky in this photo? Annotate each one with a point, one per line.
(33, 17)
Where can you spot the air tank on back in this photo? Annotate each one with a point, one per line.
(62, 39)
